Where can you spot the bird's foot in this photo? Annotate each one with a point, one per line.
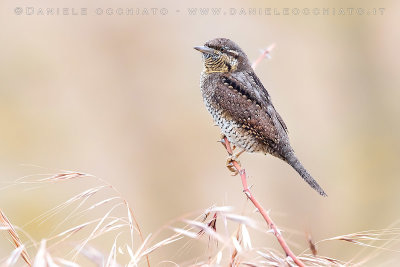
(230, 166)
(232, 158)
(229, 162)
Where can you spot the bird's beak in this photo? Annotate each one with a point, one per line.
(204, 49)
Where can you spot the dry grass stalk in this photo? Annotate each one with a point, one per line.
(225, 247)
(6, 225)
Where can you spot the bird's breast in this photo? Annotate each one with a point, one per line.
(231, 128)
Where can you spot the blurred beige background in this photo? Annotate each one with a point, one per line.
(118, 97)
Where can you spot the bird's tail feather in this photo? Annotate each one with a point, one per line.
(295, 163)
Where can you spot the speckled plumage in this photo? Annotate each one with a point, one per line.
(242, 107)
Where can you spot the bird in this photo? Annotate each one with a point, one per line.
(241, 106)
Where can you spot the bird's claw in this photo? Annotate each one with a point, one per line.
(230, 166)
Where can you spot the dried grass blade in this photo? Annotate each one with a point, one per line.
(186, 233)
(6, 224)
(15, 254)
(40, 259)
(95, 230)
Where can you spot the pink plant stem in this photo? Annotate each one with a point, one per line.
(264, 54)
(263, 212)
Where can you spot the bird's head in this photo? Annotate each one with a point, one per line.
(223, 55)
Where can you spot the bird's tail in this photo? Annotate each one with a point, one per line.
(295, 163)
